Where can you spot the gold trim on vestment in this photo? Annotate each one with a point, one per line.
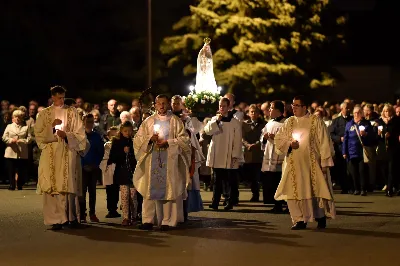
(291, 163)
(66, 150)
(312, 155)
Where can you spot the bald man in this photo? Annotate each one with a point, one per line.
(111, 118)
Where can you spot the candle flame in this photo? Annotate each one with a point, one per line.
(156, 128)
(59, 127)
(296, 136)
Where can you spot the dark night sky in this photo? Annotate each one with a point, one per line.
(102, 44)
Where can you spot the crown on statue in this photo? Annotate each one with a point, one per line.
(207, 40)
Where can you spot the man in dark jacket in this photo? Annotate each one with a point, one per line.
(337, 129)
(111, 118)
(90, 169)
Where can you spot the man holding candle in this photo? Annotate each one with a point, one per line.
(162, 149)
(60, 135)
(305, 183)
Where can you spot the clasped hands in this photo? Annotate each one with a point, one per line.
(269, 136)
(159, 142)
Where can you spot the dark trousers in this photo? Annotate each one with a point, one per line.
(225, 178)
(14, 166)
(393, 171)
(270, 182)
(252, 173)
(112, 193)
(341, 173)
(357, 171)
(185, 210)
(139, 206)
(89, 182)
(206, 179)
(3, 169)
(384, 171)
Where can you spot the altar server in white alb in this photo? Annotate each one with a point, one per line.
(60, 135)
(224, 153)
(163, 152)
(306, 182)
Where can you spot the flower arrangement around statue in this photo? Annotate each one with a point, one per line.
(203, 98)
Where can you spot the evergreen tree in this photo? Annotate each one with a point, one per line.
(260, 46)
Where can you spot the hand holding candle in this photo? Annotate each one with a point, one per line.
(156, 129)
(362, 130)
(57, 124)
(296, 136)
(380, 128)
(296, 139)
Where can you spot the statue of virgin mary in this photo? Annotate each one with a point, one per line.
(205, 80)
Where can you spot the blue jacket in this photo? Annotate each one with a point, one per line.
(96, 151)
(352, 147)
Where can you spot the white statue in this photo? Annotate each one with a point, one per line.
(205, 80)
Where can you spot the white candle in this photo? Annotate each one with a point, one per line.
(380, 128)
(59, 127)
(156, 129)
(296, 136)
(362, 128)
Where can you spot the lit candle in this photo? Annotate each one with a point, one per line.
(296, 136)
(380, 128)
(59, 127)
(362, 128)
(156, 129)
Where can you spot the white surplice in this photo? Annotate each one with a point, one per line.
(59, 177)
(306, 188)
(169, 209)
(272, 162)
(226, 144)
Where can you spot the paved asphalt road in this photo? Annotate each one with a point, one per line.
(367, 232)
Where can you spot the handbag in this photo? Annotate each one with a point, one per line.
(365, 152)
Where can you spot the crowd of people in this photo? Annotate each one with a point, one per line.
(152, 163)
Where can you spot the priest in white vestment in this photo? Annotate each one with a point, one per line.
(224, 153)
(60, 135)
(162, 150)
(306, 183)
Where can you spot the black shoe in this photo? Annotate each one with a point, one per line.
(214, 207)
(344, 192)
(11, 188)
(164, 227)
(75, 225)
(19, 188)
(113, 214)
(321, 223)
(228, 207)
(255, 199)
(146, 226)
(299, 226)
(275, 210)
(56, 227)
